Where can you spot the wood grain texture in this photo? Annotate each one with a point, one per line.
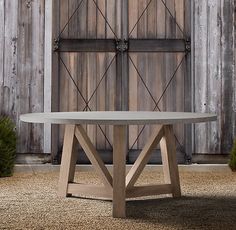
(148, 190)
(200, 78)
(228, 130)
(55, 89)
(22, 71)
(47, 84)
(29, 69)
(170, 167)
(188, 79)
(2, 42)
(100, 192)
(143, 158)
(93, 156)
(67, 163)
(119, 158)
(214, 74)
(64, 77)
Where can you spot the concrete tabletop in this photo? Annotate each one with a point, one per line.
(117, 117)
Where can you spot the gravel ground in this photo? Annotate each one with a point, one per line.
(29, 201)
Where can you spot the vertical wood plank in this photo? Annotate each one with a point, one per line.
(81, 17)
(92, 67)
(101, 98)
(161, 26)
(142, 67)
(10, 59)
(170, 62)
(120, 17)
(188, 80)
(64, 16)
(133, 17)
(72, 28)
(82, 82)
(213, 74)
(182, 14)
(228, 77)
(101, 65)
(101, 24)
(125, 61)
(92, 20)
(133, 100)
(2, 42)
(152, 20)
(47, 84)
(234, 73)
(55, 74)
(151, 74)
(37, 70)
(143, 97)
(111, 17)
(64, 77)
(91, 84)
(110, 97)
(24, 68)
(72, 59)
(200, 78)
(72, 91)
(133, 76)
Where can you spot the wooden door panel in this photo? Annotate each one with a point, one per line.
(81, 83)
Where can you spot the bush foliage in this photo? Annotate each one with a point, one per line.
(232, 161)
(7, 146)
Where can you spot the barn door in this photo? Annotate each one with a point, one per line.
(125, 55)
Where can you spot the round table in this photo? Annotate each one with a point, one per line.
(119, 186)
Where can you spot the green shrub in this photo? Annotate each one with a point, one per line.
(7, 146)
(232, 161)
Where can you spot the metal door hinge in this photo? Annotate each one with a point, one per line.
(188, 45)
(56, 45)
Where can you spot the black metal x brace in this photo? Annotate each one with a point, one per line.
(80, 93)
(104, 17)
(160, 98)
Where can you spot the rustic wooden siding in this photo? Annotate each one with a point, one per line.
(213, 79)
(22, 67)
(214, 74)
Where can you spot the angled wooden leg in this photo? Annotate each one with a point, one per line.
(68, 160)
(74, 158)
(169, 161)
(93, 156)
(143, 157)
(119, 161)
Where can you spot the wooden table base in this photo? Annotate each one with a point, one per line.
(120, 186)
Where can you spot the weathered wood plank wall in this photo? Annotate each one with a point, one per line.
(214, 73)
(22, 72)
(22, 66)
